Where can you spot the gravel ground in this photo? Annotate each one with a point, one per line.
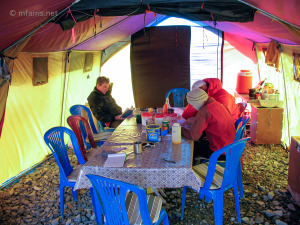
(34, 198)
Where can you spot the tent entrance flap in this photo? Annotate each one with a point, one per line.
(160, 61)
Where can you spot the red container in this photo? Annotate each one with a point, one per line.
(244, 82)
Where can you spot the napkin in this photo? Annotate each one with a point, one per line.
(115, 160)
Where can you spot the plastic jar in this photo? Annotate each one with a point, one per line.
(176, 133)
(159, 118)
(147, 118)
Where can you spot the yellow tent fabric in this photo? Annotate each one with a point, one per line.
(289, 89)
(32, 110)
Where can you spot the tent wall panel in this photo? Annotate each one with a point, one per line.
(32, 110)
(80, 83)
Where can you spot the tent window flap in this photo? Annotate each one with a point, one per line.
(88, 62)
(40, 70)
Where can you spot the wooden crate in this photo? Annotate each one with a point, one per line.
(266, 125)
(294, 169)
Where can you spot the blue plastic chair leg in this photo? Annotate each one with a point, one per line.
(75, 195)
(62, 188)
(218, 207)
(237, 202)
(240, 181)
(183, 201)
(166, 219)
(96, 206)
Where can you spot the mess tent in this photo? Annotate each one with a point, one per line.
(52, 52)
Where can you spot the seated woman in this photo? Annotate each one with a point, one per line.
(213, 87)
(211, 118)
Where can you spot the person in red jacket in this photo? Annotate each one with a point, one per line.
(211, 118)
(213, 87)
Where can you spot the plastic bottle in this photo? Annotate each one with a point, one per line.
(165, 108)
(176, 133)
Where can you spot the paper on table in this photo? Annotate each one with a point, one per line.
(115, 160)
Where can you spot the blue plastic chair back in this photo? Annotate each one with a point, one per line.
(113, 194)
(77, 110)
(178, 96)
(240, 126)
(233, 153)
(54, 138)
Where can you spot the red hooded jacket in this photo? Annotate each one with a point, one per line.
(216, 91)
(217, 123)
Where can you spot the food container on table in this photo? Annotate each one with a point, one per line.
(165, 124)
(147, 118)
(176, 133)
(153, 132)
(170, 111)
(159, 117)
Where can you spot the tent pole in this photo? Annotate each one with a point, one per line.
(222, 53)
(286, 102)
(64, 90)
(38, 27)
(258, 70)
(269, 14)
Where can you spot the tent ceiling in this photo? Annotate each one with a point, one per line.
(115, 28)
(209, 10)
(286, 10)
(17, 19)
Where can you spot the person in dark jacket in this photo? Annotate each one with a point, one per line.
(103, 105)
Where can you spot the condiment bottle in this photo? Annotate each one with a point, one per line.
(176, 133)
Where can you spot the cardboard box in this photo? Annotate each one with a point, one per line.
(294, 169)
(266, 125)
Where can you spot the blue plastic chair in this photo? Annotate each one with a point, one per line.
(215, 179)
(82, 130)
(77, 110)
(240, 125)
(178, 96)
(54, 138)
(119, 200)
